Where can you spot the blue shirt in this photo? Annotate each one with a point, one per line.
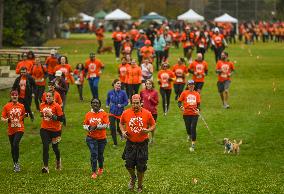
(114, 98)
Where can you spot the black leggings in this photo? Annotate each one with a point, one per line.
(114, 126)
(27, 106)
(46, 137)
(15, 143)
(117, 46)
(178, 89)
(166, 96)
(132, 89)
(190, 122)
(39, 90)
(218, 51)
(80, 90)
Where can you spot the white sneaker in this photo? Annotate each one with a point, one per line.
(17, 167)
(191, 149)
(45, 170)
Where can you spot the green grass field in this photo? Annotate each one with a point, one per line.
(256, 117)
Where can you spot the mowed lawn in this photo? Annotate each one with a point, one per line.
(256, 117)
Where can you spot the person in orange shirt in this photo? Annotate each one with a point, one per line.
(134, 78)
(66, 69)
(122, 72)
(14, 113)
(199, 68)
(176, 38)
(24, 63)
(224, 69)
(93, 68)
(25, 85)
(51, 63)
(100, 37)
(201, 43)
(126, 46)
(187, 39)
(50, 131)
(38, 72)
(180, 72)
(95, 123)
(51, 88)
(135, 124)
(219, 43)
(165, 79)
(189, 103)
(117, 39)
(133, 34)
(147, 51)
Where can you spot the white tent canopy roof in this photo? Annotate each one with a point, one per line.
(190, 15)
(117, 15)
(84, 17)
(226, 18)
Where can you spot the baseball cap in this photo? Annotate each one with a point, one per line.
(58, 73)
(190, 82)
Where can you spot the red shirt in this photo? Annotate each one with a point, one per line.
(93, 67)
(147, 52)
(117, 36)
(164, 77)
(150, 100)
(93, 119)
(218, 40)
(15, 113)
(122, 70)
(51, 63)
(47, 123)
(190, 101)
(26, 63)
(57, 98)
(226, 67)
(134, 74)
(135, 122)
(23, 85)
(198, 68)
(180, 71)
(38, 72)
(80, 76)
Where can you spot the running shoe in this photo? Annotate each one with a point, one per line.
(192, 148)
(94, 176)
(100, 171)
(58, 165)
(17, 167)
(45, 170)
(131, 184)
(140, 189)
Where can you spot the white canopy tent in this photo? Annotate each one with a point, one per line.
(226, 18)
(191, 16)
(84, 17)
(117, 15)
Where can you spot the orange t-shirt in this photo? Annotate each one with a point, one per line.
(37, 73)
(93, 119)
(117, 36)
(66, 70)
(94, 68)
(47, 123)
(57, 98)
(51, 63)
(199, 68)
(133, 33)
(226, 68)
(135, 122)
(187, 39)
(23, 85)
(180, 71)
(100, 33)
(164, 78)
(190, 101)
(122, 70)
(26, 63)
(15, 113)
(147, 52)
(134, 75)
(218, 40)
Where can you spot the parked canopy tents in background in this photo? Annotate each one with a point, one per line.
(226, 18)
(153, 16)
(100, 15)
(117, 15)
(190, 16)
(85, 18)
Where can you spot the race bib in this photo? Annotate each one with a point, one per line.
(93, 75)
(224, 75)
(191, 99)
(179, 80)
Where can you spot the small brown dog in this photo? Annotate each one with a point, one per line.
(233, 147)
(106, 49)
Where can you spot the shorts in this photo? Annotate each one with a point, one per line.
(135, 154)
(198, 85)
(222, 86)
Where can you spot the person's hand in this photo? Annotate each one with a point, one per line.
(91, 128)
(4, 119)
(33, 95)
(107, 106)
(119, 105)
(144, 130)
(197, 111)
(195, 73)
(48, 114)
(182, 108)
(125, 134)
(149, 97)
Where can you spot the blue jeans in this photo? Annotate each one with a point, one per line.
(94, 86)
(97, 148)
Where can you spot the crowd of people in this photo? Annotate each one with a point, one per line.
(134, 84)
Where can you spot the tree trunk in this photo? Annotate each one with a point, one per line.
(53, 26)
(1, 22)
